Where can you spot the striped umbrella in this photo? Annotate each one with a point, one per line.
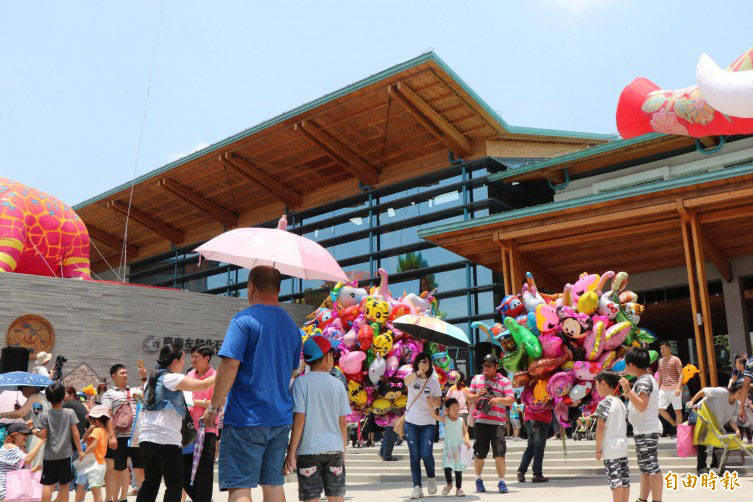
(197, 447)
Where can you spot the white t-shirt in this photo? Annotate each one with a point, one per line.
(717, 399)
(613, 412)
(162, 427)
(420, 412)
(647, 421)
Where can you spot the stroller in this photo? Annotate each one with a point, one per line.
(720, 439)
(586, 429)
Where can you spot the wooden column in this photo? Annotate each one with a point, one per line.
(515, 274)
(505, 268)
(690, 266)
(703, 292)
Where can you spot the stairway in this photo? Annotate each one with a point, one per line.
(363, 465)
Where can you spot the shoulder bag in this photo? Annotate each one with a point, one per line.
(399, 426)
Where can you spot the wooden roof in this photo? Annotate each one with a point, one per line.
(635, 230)
(392, 126)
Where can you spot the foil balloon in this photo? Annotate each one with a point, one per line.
(352, 362)
(547, 320)
(392, 364)
(615, 335)
(619, 366)
(524, 338)
(380, 406)
(386, 420)
(540, 394)
(350, 339)
(653, 355)
(442, 360)
(580, 390)
(403, 371)
(377, 369)
(376, 310)
(338, 373)
(365, 336)
(400, 402)
(594, 341)
(588, 302)
(561, 411)
(345, 296)
(382, 343)
(511, 305)
(514, 361)
(689, 371)
(551, 345)
(356, 394)
(586, 370)
(521, 379)
(453, 377)
(354, 417)
(546, 365)
(560, 383)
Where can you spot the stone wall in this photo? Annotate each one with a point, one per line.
(102, 323)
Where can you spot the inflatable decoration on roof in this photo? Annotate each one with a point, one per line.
(720, 104)
(40, 235)
(554, 345)
(374, 356)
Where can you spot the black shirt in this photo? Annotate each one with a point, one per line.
(81, 412)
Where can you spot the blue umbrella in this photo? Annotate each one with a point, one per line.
(15, 379)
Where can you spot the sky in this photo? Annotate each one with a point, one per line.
(73, 91)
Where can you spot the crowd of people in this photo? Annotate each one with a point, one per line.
(275, 416)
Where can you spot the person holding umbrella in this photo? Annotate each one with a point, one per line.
(31, 411)
(260, 354)
(490, 392)
(424, 394)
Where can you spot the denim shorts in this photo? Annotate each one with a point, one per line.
(251, 456)
(321, 472)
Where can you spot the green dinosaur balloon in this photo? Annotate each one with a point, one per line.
(524, 338)
(515, 361)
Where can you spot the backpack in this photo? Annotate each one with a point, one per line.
(122, 419)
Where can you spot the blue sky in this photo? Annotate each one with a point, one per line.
(75, 73)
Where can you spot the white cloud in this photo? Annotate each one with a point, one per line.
(177, 156)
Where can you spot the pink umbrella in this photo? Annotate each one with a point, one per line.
(289, 253)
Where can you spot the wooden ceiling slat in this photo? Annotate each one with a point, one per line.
(156, 225)
(247, 169)
(227, 218)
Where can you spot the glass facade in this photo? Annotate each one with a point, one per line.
(375, 229)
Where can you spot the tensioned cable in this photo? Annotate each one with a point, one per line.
(123, 255)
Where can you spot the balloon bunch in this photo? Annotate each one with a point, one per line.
(554, 345)
(373, 356)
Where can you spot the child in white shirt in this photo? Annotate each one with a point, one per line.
(611, 435)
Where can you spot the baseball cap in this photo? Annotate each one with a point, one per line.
(490, 358)
(18, 427)
(316, 346)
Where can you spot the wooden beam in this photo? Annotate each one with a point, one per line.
(255, 175)
(227, 218)
(112, 241)
(516, 274)
(690, 267)
(721, 262)
(505, 269)
(157, 226)
(703, 290)
(602, 236)
(340, 153)
(431, 119)
(731, 213)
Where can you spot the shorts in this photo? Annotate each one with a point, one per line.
(120, 456)
(251, 456)
(325, 471)
(618, 472)
(667, 397)
(96, 476)
(57, 471)
(486, 435)
(648, 457)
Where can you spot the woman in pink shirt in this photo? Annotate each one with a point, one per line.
(460, 391)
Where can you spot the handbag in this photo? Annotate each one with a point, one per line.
(187, 429)
(685, 447)
(399, 427)
(22, 485)
(692, 417)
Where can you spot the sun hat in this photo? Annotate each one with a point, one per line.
(99, 411)
(43, 357)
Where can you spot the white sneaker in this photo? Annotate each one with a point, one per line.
(431, 486)
(417, 493)
(446, 490)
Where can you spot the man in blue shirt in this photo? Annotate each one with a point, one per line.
(260, 354)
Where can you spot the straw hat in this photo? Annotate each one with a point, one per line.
(43, 357)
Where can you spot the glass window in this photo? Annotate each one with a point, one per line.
(354, 224)
(350, 249)
(480, 193)
(485, 303)
(483, 276)
(450, 280)
(456, 306)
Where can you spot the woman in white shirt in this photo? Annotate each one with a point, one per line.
(424, 394)
(160, 422)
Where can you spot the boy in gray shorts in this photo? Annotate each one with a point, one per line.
(317, 443)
